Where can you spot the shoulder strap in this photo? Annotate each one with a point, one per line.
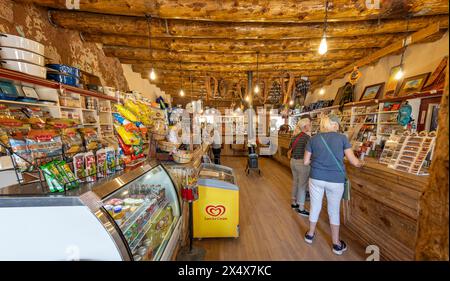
(332, 154)
(296, 140)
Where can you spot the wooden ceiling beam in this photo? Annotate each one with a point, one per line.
(168, 56)
(240, 46)
(306, 67)
(257, 11)
(126, 25)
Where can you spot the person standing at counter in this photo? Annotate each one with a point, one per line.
(300, 171)
(325, 152)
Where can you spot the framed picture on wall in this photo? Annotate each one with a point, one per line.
(339, 95)
(392, 83)
(372, 92)
(413, 84)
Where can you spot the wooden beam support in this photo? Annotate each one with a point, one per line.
(143, 54)
(388, 50)
(257, 11)
(318, 68)
(126, 25)
(241, 46)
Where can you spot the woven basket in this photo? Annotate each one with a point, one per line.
(167, 146)
(182, 156)
(159, 137)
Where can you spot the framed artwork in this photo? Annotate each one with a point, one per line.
(413, 84)
(392, 83)
(339, 95)
(372, 92)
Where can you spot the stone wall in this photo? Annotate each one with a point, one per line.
(61, 46)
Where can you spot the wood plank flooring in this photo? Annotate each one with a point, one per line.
(269, 228)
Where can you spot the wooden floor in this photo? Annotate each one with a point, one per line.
(269, 228)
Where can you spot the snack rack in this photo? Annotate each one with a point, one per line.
(415, 149)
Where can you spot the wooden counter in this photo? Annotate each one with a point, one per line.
(384, 209)
(283, 147)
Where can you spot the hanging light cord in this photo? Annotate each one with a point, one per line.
(408, 17)
(149, 23)
(326, 18)
(257, 68)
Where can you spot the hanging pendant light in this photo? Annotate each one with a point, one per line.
(323, 47)
(152, 72)
(256, 89)
(400, 73)
(181, 83)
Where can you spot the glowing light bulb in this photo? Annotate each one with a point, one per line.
(322, 91)
(291, 102)
(181, 93)
(399, 74)
(323, 47)
(256, 90)
(152, 74)
(247, 98)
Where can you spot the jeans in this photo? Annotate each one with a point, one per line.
(333, 192)
(300, 176)
(216, 153)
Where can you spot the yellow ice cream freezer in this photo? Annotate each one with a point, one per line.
(216, 212)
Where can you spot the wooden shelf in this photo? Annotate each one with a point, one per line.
(90, 110)
(387, 112)
(26, 78)
(70, 108)
(27, 103)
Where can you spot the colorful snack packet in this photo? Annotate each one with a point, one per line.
(101, 163)
(56, 179)
(110, 160)
(78, 166)
(119, 158)
(90, 166)
(66, 172)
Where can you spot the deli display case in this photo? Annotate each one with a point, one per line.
(133, 216)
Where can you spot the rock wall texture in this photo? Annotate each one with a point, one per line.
(61, 45)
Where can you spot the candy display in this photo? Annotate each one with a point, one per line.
(59, 176)
(72, 141)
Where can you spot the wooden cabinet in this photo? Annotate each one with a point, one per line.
(283, 147)
(384, 209)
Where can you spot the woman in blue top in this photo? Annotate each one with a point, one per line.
(325, 152)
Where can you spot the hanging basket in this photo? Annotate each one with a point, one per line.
(167, 146)
(182, 156)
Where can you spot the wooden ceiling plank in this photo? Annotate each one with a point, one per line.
(257, 11)
(125, 25)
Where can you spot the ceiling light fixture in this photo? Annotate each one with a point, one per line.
(256, 89)
(181, 83)
(291, 103)
(322, 91)
(152, 72)
(323, 47)
(400, 73)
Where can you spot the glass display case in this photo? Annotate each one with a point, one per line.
(134, 215)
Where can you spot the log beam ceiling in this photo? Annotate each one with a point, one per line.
(198, 39)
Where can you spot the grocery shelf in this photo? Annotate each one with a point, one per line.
(70, 108)
(136, 215)
(387, 112)
(22, 77)
(28, 103)
(90, 110)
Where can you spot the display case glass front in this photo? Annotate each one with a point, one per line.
(146, 210)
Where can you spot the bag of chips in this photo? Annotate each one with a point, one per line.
(72, 141)
(90, 139)
(90, 167)
(43, 144)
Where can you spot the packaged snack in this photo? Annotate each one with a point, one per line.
(126, 113)
(22, 156)
(90, 167)
(62, 123)
(66, 172)
(72, 141)
(127, 149)
(78, 166)
(43, 144)
(90, 138)
(129, 126)
(101, 163)
(128, 138)
(53, 184)
(119, 158)
(110, 160)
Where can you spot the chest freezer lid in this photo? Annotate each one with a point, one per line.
(214, 183)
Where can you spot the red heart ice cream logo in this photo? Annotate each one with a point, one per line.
(215, 211)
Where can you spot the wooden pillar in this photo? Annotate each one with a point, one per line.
(432, 242)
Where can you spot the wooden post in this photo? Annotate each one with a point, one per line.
(432, 239)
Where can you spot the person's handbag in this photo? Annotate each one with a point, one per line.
(289, 153)
(347, 185)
